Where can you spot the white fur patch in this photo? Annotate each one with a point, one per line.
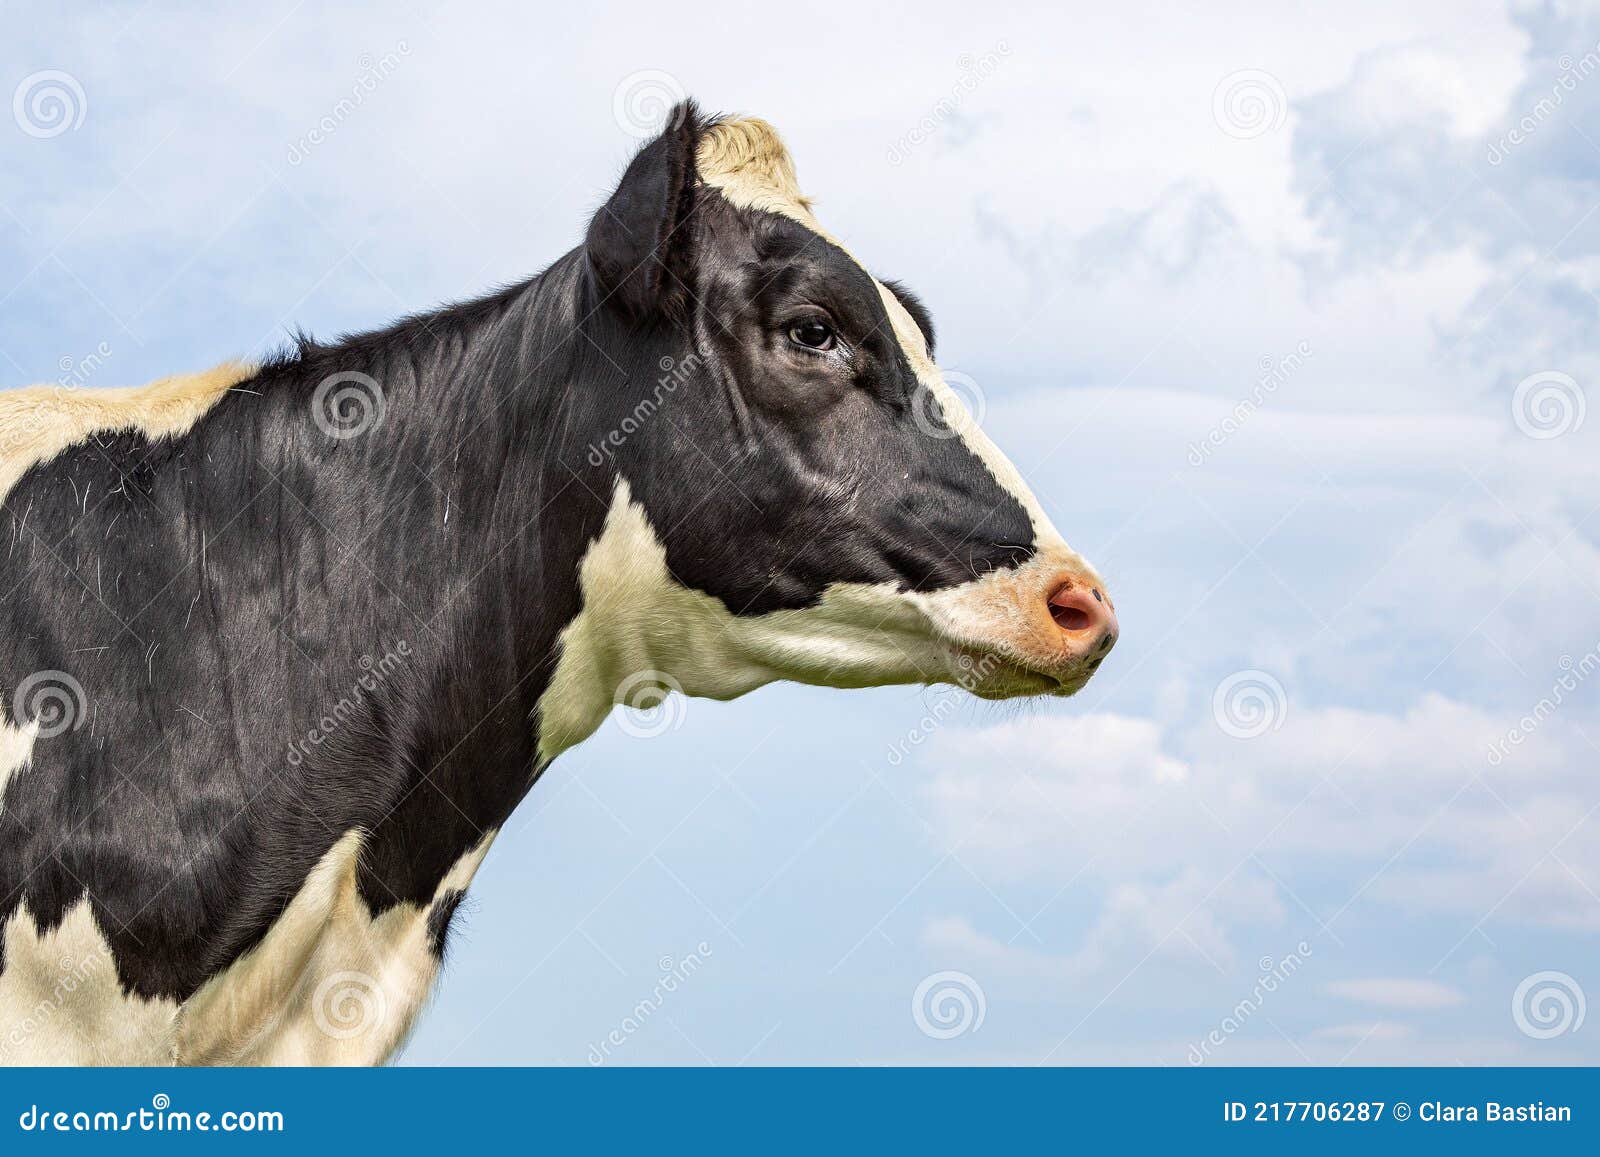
(328, 984)
(62, 1004)
(16, 751)
(39, 422)
(638, 621)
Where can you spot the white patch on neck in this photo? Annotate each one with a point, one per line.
(637, 619)
(16, 752)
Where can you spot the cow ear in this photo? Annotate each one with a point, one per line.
(639, 242)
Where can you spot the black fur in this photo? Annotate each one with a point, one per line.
(440, 916)
(215, 594)
(919, 312)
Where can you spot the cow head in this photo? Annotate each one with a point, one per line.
(795, 491)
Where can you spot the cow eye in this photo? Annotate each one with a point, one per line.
(813, 334)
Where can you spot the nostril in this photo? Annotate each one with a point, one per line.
(1070, 618)
(1073, 610)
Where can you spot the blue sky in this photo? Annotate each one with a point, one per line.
(1288, 319)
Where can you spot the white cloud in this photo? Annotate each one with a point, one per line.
(1397, 992)
(1377, 1031)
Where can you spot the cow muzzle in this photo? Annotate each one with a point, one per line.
(1042, 628)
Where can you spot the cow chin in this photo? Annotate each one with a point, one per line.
(993, 675)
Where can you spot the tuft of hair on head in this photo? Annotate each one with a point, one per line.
(748, 154)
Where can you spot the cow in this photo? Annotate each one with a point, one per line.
(285, 644)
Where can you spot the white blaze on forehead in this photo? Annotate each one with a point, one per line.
(744, 159)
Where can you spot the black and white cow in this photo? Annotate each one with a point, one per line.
(283, 646)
